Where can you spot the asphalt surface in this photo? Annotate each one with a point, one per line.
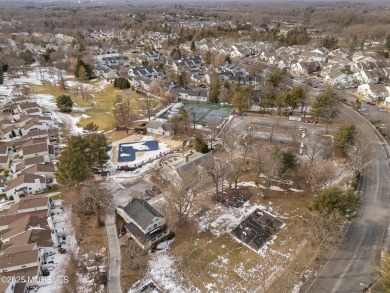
(114, 267)
(349, 267)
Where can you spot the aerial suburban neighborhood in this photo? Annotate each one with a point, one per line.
(189, 147)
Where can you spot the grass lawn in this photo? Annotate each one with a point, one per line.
(99, 103)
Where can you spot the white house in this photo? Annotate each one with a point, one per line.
(336, 77)
(159, 127)
(25, 184)
(367, 76)
(374, 91)
(200, 95)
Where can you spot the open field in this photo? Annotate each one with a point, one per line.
(96, 104)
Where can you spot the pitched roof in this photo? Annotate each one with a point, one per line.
(28, 105)
(34, 160)
(35, 148)
(4, 159)
(156, 124)
(18, 259)
(20, 248)
(24, 178)
(3, 149)
(141, 212)
(31, 202)
(33, 133)
(44, 168)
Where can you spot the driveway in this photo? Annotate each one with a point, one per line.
(114, 260)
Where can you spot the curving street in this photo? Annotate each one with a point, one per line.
(349, 267)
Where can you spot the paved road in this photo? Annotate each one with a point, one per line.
(114, 267)
(349, 269)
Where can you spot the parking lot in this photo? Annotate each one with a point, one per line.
(283, 131)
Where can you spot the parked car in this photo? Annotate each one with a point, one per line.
(381, 109)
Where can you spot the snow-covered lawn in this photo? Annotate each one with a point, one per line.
(48, 102)
(211, 260)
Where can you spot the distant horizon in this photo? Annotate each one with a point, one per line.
(147, 2)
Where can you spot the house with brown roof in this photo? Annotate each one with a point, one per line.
(21, 107)
(47, 169)
(31, 204)
(10, 132)
(25, 184)
(40, 149)
(34, 125)
(4, 162)
(29, 141)
(3, 150)
(37, 134)
(22, 260)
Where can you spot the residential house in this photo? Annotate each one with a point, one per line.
(341, 52)
(240, 50)
(152, 56)
(197, 95)
(31, 204)
(4, 159)
(310, 56)
(145, 83)
(306, 67)
(367, 76)
(143, 222)
(144, 71)
(336, 77)
(47, 169)
(32, 134)
(189, 63)
(105, 72)
(321, 50)
(374, 91)
(159, 127)
(40, 149)
(25, 184)
(192, 169)
(20, 260)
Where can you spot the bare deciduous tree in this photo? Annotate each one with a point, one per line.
(313, 148)
(70, 271)
(146, 102)
(180, 203)
(123, 113)
(319, 173)
(93, 199)
(359, 154)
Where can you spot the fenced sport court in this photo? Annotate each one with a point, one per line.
(206, 114)
(256, 229)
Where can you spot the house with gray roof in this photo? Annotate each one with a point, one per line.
(197, 95)
(192, 169)
(159, 127)
(144, 223)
